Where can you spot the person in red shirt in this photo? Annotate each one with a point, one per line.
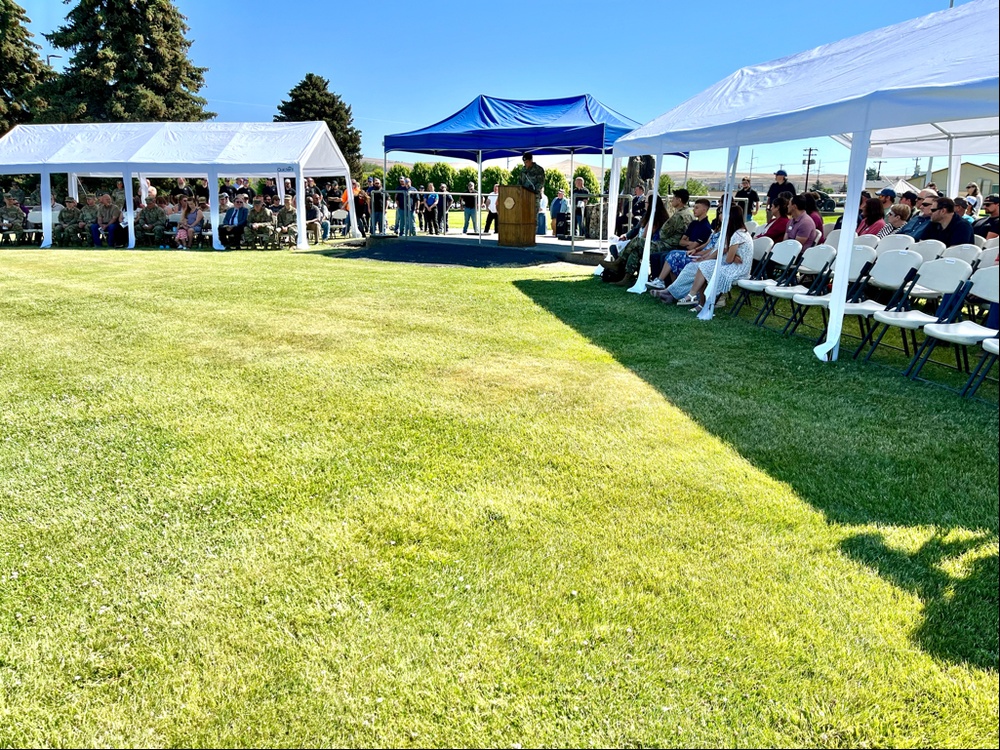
(873, 219)
(776, 229)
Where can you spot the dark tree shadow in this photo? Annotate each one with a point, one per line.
(446, 254)
(858, 442)
(961, 615)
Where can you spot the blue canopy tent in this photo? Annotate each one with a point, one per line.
(492, 128)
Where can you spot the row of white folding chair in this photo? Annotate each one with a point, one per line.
(751, 227)
(814, 260)
(781, 255)
(963, 333)
(992, 244)
(980, 242)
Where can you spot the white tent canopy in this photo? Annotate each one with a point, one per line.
(175, 149)
(949, 83)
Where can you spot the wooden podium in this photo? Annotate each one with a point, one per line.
(518, 218)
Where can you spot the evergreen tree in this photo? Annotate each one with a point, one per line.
(554, 182)
(395, 172)
(129, 63)
(312, 101)
(442, 173)
(420, 173)
(21, 71)
(494, 176)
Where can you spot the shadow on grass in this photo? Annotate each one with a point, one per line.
(445, 254)
(860, 443)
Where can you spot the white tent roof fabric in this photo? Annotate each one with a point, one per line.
(173, 149)
(945, 70)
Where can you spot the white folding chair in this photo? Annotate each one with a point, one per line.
(990, 257)
(751, 227)
(938, 277)
(929, 249)
(992, 244)
(781, 256)
(861, 256)
(980, 241)
(991, 347)
(894, 242)
(338, 219)
(866, 239)
(815, 262)
(984, 284)
(890, 271)
(968, 252)
(833, 236)
(829, 228)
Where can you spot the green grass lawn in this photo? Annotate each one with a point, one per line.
(287, 499)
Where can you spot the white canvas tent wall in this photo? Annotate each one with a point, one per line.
(175, 149)
(844, 87)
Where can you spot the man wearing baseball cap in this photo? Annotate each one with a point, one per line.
(989, 226)
(780, 185)
(887, 196)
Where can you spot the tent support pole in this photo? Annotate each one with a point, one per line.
(478, 225)
(127, 178)
(640, 282)
(572, 203)
(143, 189)
(302, 242)
(954, 168)
(213, 205)
(687, 165)
(74, 186)
(614, 198)
(708, 310)
(930, 171)
(385, 187)
(46, 209)
(828, 350)
(600, 225)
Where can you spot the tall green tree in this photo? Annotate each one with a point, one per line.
(129, 63)
(494, 176)
(420, 173)
(442, 173)
(554, 182)
(21, 71)
(395, 172)
(666, 185)
(312, 101)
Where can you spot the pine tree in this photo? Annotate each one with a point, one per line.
(22, 70)
(312, 101)
(129, 64)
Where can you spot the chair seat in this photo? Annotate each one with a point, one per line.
(866, 308)
(756, 285)
(909, 319)
(924, 293)
(965, 333)
(786, 292)
(822, 300)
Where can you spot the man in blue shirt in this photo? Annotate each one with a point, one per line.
(556, 210)
(917, 226)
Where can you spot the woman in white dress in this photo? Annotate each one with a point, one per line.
(735, 263)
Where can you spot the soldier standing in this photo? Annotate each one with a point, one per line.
(533, 177)
(66, 228)
(118, 194)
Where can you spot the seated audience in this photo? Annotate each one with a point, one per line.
(775, 229)
(108, 220)
(234, 224)
(736, 262)
(886, 196)
(946, 226)
(899, 214)
(636, 245)
(260, 222)
(287, 219)
(873, 221)
(989, 226)
(801, 227)
(152, 220)
(66, 228)
(665, 265)
(189, 227)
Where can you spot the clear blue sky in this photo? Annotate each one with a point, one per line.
(402, 66)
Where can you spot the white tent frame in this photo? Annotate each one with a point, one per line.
(955, 88)
(278, 150)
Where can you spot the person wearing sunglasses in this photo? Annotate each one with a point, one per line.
(920, 221)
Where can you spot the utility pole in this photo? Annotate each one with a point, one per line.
(916, 166)
(808, 161)
(750, 172)
(878, 169)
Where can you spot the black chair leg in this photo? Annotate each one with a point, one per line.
(979, 376)
(920, 358)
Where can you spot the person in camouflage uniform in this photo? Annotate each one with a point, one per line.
(288, 222)
(260, 222)
(67, 229)
(11, 218)
(152, 220)
(17, 193)
(533, 177)
(118, 194)
(34, 198)
(670, 233)
(88, 215)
